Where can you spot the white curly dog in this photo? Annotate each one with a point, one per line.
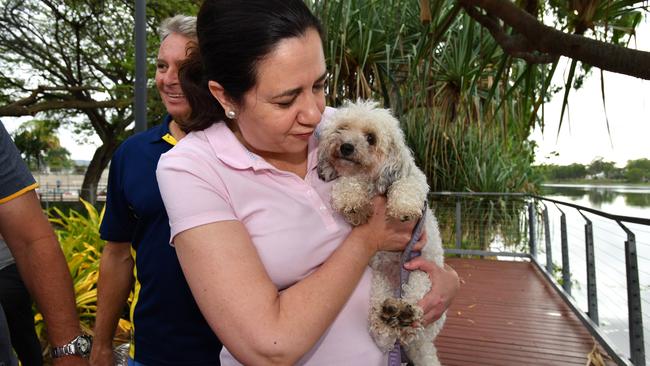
(363, 147)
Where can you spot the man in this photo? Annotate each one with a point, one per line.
(168, 326)
(17, 305)
(39, 259)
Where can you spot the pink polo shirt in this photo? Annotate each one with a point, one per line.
(209, 176)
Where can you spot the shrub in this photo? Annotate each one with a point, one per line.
(78, 235)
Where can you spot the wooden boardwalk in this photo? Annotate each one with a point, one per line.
(507, 314)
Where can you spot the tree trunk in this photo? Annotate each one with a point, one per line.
(99, 162)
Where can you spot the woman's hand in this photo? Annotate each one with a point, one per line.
(386, 233)
(444, 287)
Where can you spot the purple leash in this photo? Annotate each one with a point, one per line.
(396, 356)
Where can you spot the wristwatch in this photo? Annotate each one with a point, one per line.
(80, 346)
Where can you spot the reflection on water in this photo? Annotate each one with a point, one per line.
(609, 241)
(614, 199)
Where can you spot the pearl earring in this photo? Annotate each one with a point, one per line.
(231, 114)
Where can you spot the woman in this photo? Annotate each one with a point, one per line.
(279, 277)
(136, 230)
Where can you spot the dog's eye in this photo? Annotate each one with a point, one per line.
(371, 138)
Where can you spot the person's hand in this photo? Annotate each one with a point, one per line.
(385, 233)
(444, 286)
(102, 355)
(70, 361)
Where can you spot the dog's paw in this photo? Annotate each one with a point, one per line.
(356, 216)
(403, 212)
(383, 335)
(397, 313)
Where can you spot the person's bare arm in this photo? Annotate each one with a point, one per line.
(258, 324)
(113, 288)
(43, 268)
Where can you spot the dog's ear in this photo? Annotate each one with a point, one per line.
(325, 170)
(392, 170)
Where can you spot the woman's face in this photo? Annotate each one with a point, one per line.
(280, 113)
(171, 54)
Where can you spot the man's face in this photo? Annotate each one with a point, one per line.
(171, 54)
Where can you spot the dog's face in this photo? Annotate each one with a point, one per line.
(360, 139)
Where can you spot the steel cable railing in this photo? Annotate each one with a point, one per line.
(581, 251)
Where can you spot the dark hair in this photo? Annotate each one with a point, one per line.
(234, 36)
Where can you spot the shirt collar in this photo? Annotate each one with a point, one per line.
(231, 152)
(162, 132)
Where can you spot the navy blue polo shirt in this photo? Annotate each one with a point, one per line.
(168, 326)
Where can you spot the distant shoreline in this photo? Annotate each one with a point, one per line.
(591, 182)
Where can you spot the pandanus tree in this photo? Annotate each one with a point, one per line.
(469, 78)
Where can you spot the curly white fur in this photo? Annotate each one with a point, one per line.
(364, 147)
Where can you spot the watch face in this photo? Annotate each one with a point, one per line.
(83, 345)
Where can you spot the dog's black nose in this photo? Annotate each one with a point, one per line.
(346, 149)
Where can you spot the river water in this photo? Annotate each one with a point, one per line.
(609, 243)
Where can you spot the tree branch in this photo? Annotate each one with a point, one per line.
(514, 45)
(550, 41)
(34, 103)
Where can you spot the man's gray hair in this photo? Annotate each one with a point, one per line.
(184, 25)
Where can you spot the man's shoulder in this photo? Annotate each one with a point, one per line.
(195, 144)
(15, 177)
(141, 141)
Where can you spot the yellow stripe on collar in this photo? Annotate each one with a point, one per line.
(170, 139)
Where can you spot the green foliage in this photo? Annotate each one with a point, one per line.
(641, 164)
(39, 145)
(445, 71)
(470, 158)
(78, 235)
(487, 222)
(599, 166)
(636, 171)
(636, 175)
(466, 108)
(559, 172)
(74, 61)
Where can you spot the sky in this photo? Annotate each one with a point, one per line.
(582, 138)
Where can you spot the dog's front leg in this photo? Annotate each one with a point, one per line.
(423, 352)
(351, 197)
(385, 276)
(407, 197)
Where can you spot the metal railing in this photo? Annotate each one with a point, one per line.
(517, 215)
(65, 193)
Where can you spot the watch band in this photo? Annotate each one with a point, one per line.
(65, 350)
(79, 346)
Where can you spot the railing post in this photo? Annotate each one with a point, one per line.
(459, 231)
(635, 318)
(532, 245)
(566, 270)
(547, 239)
(592, 292)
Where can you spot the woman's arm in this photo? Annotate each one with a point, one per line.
(258, 324)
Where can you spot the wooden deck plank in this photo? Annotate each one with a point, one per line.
(506, 314)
